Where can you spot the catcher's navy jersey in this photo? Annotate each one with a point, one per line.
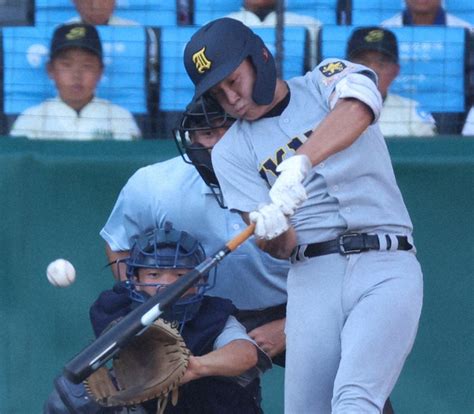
(354, 189)
(174, 191)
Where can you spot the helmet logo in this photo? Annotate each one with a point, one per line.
(201, 61)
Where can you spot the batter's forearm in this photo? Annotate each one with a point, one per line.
(344, 124)
(280, 247)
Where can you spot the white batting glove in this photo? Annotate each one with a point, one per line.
(269, 221)
(288, 192)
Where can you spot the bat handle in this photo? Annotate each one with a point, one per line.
(241, 237)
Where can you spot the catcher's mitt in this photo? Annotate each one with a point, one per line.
(149, 367)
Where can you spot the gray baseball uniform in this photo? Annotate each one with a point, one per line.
(351, 319)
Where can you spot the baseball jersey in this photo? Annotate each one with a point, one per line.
(291, 19)
(54, 119)
(404, 117)
(174, 191)
(468, 128)
(354, 189)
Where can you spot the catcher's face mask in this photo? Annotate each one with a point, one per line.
(156, 260)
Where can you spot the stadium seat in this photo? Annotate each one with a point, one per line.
(127, 80)
(326, 11)
(370, 12)
(177, 90)
(432, 61)
(464, 9)
(145, 12)
(207, 10)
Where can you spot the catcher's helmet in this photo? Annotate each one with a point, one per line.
(202, 115)
(167, 248)
(219, 47)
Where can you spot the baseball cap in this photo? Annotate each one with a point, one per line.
(80, 35)
(373, 38)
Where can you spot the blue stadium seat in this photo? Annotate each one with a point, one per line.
(369, 12)
(177, 90)
(432, 61)
(294, 48)
(26, 83)
(325, 11)
(145, 12)
(54, 12)
(464, 9)
(207, 10)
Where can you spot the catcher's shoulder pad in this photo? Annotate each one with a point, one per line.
(150, 366)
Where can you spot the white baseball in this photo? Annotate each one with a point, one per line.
(61, 273)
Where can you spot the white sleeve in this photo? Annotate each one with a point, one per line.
(338, 78)
(233, 331)
(468, 128)
(125, 127)
(360, 87)
(25, 125)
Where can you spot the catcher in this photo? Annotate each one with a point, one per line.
(218, 369)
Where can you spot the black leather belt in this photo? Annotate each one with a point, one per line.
(348, 243)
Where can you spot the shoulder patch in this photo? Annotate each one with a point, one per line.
(332, 68)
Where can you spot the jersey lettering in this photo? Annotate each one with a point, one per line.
(269, 166)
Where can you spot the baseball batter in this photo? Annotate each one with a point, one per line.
(355, 285)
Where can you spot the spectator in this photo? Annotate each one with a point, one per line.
(262, 13)
(99, 12)
(377, 49)
(468, 128)
(76, 67)
(425, 13)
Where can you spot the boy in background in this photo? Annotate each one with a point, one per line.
(76, 67)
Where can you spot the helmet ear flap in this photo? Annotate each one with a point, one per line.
(266, 76)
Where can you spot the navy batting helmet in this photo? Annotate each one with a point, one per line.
(219, 47)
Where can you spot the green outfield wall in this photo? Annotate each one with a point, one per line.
(55, 197)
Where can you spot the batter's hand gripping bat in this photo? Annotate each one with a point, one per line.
(136, 322)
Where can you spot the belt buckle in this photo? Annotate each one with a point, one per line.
(341, 240)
